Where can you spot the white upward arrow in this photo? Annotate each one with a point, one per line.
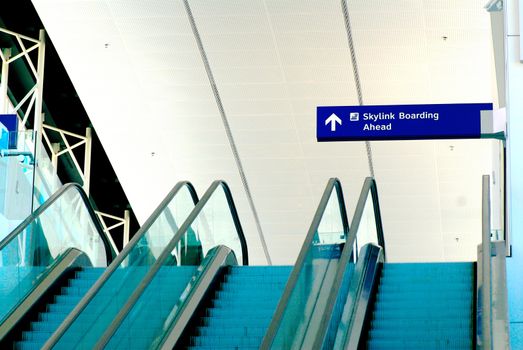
(333, 119)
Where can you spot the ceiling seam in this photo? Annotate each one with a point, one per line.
(227, 127)
(356, 74)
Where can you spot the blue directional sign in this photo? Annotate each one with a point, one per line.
(403, 122)
(8, 130)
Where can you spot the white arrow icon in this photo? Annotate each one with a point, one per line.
(333, 119)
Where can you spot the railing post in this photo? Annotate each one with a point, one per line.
(486, 323)
(4, 80)
(87, 160)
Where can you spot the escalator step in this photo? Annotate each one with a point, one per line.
(229, 341)
(423, 306)
(420, 344)
(416, 334)
(417, 323)
(242, 308)
(233, 330)
(56, 312)
(221, 347)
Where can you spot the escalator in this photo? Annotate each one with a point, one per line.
(184, 282)
(230, 306)
(451, 305)
(224, 303)
(59, 253)
(44, 254)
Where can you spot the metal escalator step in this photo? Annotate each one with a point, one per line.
(236, 341)
(423, 306)
(419, 344)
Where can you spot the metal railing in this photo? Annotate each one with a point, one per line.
(492, 301)
(486, 303)
(167, 253)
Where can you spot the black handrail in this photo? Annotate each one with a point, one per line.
(368, 186)
(332, 184)
(110, 253)
(119, 259)
(167, 253)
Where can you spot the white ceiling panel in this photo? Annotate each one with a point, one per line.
(274, 62)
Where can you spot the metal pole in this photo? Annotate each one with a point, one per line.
(126, 227)
(38, 121)
(4, 80)
(486, 323)
(87, 160)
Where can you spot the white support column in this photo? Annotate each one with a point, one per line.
(126, 227)
(4, 81)
(87, 160)
(514, 86)
(38, 120)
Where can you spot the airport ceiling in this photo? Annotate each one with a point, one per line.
(138, 71)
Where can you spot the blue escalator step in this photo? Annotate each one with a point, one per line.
(232, 331)
(28, 345)
(242, 308)
(228, 341)
(447, 344)
(423, 306)
(56, 312)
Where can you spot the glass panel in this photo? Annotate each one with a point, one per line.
(66, 223)
(367, 231)
(46, 181)
(16, 179)
(215, 226)
(91, 323)
(212, 226)
(317, 273)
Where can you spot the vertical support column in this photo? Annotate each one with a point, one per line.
(4, 81)
(514, 86)
(486, 267)
(126, 227)
(87, 160)
(38, 120)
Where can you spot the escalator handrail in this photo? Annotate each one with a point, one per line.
(110, 253)
(91, 293)
(166, 253)
(332, 184)
(368, 186)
